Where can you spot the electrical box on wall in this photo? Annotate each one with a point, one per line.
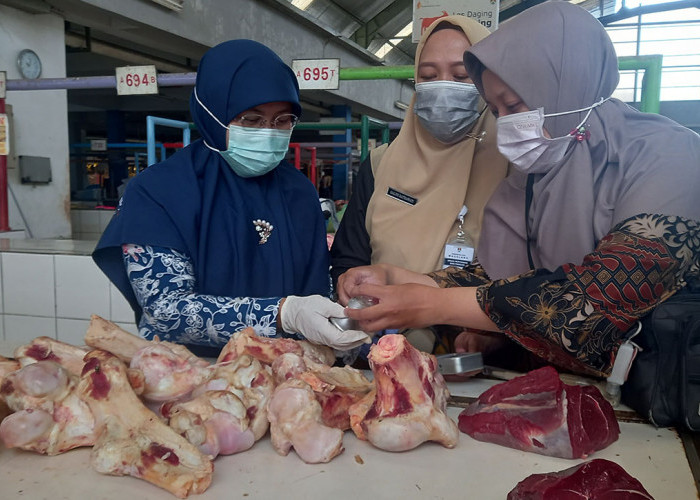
(34, 169)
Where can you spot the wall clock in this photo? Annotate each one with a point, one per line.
(29, 64)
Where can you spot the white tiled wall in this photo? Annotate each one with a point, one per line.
(28, 284)
(81, 288)
(55, 295)
(89, 224)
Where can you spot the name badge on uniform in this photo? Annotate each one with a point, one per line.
(402, 197)
(458, 254)
(459, 251)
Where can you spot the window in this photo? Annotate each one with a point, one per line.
(675, 34)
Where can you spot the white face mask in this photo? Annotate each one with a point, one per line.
(521, 140)
(446, 109)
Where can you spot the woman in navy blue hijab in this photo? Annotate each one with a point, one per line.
(226, 234)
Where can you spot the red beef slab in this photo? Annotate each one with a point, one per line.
(595, 480)
(537, 412)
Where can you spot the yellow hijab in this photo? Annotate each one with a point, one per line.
(440, 177)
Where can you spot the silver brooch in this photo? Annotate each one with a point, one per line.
(264, 229)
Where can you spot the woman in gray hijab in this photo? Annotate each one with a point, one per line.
(598, 223)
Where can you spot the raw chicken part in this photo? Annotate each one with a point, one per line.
(408, 405)
(131, 440)
(49, 417)
(68, 356)
(295, 421)
(595, 480)
(228, 413)
(336, 388)
(537, 412)
(266, 350)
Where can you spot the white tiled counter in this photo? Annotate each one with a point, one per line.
(51, 287)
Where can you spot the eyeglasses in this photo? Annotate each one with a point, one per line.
(284, 122)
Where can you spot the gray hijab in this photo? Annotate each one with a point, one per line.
(559, 57)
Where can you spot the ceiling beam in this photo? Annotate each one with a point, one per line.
(625, 13)
(368, 31)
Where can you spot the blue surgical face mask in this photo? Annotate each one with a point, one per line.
(447, 109)
(251, 151)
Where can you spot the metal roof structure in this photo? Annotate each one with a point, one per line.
(373, 23)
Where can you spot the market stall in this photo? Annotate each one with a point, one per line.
(473, 469)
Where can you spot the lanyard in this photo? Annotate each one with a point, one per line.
(528, 202)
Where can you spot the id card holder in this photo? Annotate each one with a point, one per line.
(459, 251)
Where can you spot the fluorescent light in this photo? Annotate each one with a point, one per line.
(301, 4)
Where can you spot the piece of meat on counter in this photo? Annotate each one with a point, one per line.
(251, 382)
(168, 374)
(131, 439)
(295, 421)
(49, 416)
(159, 371)
(266, 350)
(7, 366)
(408, 405)
(537, 412)
(336, 388)
(595, 480)
(227, 414)
(68, 356)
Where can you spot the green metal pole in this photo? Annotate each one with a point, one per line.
(651, 81)
(377, 73)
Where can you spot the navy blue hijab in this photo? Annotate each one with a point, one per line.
(194, 203)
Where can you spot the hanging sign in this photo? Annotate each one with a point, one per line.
(425, 12)
(132, 80)
(317, 73)
(4, 135)
(3, 84)
(98, 144)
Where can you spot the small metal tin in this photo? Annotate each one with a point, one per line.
(359, 302)
(467, 363)
(344, 323)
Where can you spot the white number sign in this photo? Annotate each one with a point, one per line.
(98, 144)
(317, 73)
(137, 80)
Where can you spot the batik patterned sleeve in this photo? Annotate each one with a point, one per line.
(576, 315)
(164, 283)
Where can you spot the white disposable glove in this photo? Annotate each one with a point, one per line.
(309, 317)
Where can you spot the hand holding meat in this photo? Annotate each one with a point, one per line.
(309, 317)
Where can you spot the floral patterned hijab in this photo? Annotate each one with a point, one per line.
(633, 162)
